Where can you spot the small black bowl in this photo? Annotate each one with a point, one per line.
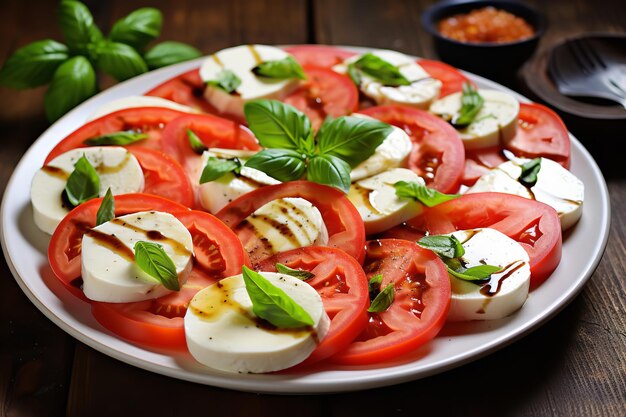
(483, 58)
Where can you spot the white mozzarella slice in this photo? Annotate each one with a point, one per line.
(117, 168)
(288, 223)
(107, 256)
(505, 292)
(555, 186)
(223, 332)
(392, 153)
(420, 93)
(376, 200)
(214, 195)
(241, 60)
(138, 101)
(496, 121)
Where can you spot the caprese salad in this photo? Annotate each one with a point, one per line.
(278, 207)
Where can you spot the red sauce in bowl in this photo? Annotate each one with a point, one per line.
(486, 25)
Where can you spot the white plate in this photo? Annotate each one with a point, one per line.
(25, 248)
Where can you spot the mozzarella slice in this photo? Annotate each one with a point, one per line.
(555, 186)
(223, 332)
(214, 195)
(420, 93)
(376, 200)
(505, 292)
(107, 256)
(241, 60)
(117, 168)
(392, 153)
(138, 101)
(496, 121)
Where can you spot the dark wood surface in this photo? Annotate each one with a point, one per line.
(573, 365)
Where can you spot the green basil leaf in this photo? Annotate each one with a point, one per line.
(116, 139)
(280, 68)
(329, 170)
(120, 61)
(273, 304)
(74, 81)
(419, 192)
(383, 300)
(381, 70)
(354, 74)
(77, 25)
(226, 81)
(106, 212)
(471, 103)
(33, 65)
(373, 285)
(196, 144)
(476, 273)
(443, 245)
(216, 168)
(83, 184)
(530, 169)
(298, 273)
(138, 28)
(152, 259)
(281, 164)
(168, 53)
(278, 125)
(352, 139)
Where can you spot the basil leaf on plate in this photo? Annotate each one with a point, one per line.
(443, 245)
(196, 144)
(77, 26)
(138, 28)
(419, 192)
(74, 81)
(272, 303)
(476, 273)
(471, 103)
(354, 74)
(83, 184)
(383, 300)
(381, 70)
(216, 168)
(373, 285)
(278, 125)
(329, 170)
(226, 81)
(120, 60)
(281, 164)
(169, 53)
(298, 273)
(116, 139)
(280, 69)
(152, 259)
(34, 64)
(530, 169)
(106, 211)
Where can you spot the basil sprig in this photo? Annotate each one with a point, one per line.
(226, 81)
(380, 300)
(272, 303)
(530, 169)
(152, 259)
(216, 168)
(376, 67)
(116, 139)
(106, 211)
(450, 251)
(70, 67)
(294, 151)
(196, 144)
(419, 192)
(298, 273)
(471, 103)
(83, 184)
(280, 69)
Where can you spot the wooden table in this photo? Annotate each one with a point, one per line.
(573, 365)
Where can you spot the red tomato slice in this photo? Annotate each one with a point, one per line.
(150, 120)
(420, 307)
(186, 88)
(318, 55)
(534, 225)
(325, 93)
(438, 154)
(540, 132)
(344, 224)
(479, 162)
(163, 176)
(451, 78)
(341, 283)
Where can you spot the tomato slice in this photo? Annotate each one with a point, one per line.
(163, 176)
(341, 283)
(534, 225)
(186, 88)
(540, 132)
(344, 224)
(149, 120)
(318, 55)
(420, 307)
(438, 154)
(451, 78)
(479, 162)
(325, 93)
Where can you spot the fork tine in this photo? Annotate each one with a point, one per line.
(591, 53)
(584, 63)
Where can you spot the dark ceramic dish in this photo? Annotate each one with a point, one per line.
(483, 58)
